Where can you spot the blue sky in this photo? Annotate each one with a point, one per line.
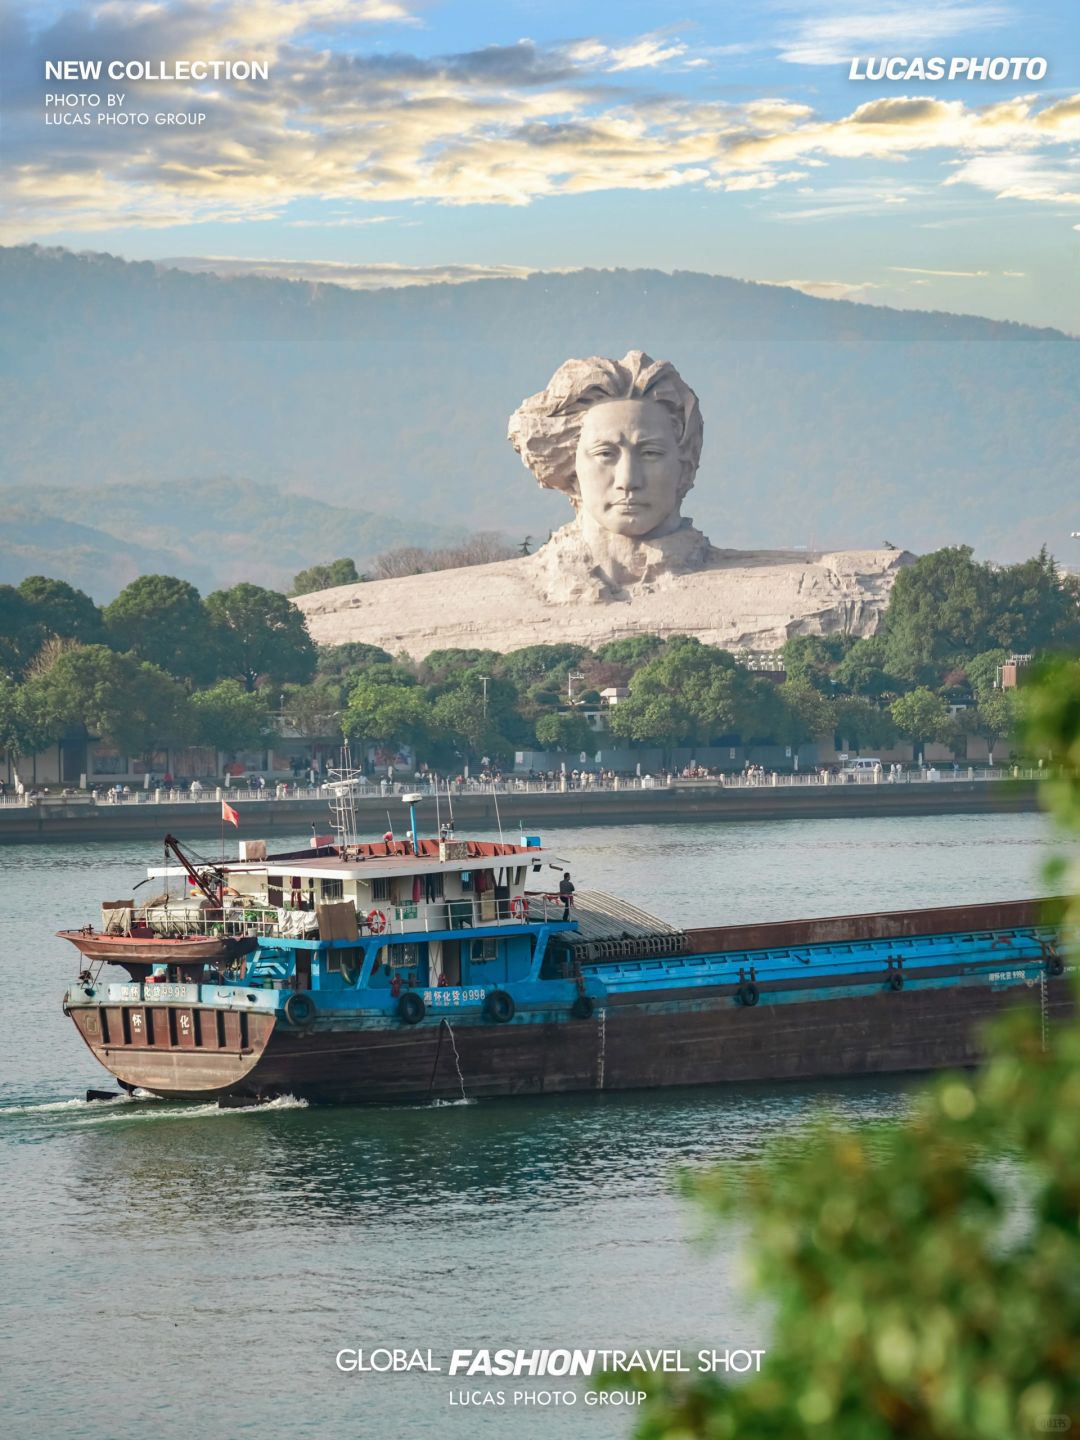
(428, 139)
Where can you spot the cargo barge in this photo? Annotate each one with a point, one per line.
(420, 969)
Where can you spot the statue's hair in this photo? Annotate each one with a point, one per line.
(544, 429)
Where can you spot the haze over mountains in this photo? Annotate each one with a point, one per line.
(244, 428)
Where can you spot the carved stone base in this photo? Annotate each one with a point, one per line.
(740, 599)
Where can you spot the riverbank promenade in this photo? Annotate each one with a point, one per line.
(513, 803)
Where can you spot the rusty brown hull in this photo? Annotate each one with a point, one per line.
(146, 950)
(633, 1044)
(890, 925)
(192, 1051)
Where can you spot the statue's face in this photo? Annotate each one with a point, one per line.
(628, 465)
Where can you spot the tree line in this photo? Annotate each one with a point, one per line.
(161, 665)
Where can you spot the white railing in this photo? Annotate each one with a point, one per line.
(463, 913)
(737, 780)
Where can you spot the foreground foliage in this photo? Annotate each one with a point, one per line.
(925, 1276)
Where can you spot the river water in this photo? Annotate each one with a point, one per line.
(175, 1269)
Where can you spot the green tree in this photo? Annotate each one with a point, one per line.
(633, 650)
(1050, 726)
(863, 671)
(163, 620)
(813, 658)
(229, 718)
(62, 610)
(261, 636)
(125, 700)
(475, 716)
(23, 730)
(314, 711)
(921, 716)
(326, 577)
(538, 662)
(21, 633)
(1033, 609)
(690, 694)
(939, 611)
(982, 671)
(567, 732)
(442, 667)
(996, 718)
(861, 725)
(339, 662)
(380, 714)
(807, 715)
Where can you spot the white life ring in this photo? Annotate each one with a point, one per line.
(376, 921)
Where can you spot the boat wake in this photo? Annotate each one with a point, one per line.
(61, 1105)
(173, 1110)
(143, 1106)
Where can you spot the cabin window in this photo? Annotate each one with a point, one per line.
(380, 889)
(485, 950)
(333, 889)
(433, 887)
(402, 957)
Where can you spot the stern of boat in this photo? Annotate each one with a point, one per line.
(174, 1040)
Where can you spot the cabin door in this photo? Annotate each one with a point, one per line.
(451, 961)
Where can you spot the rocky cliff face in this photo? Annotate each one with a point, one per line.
(753, 600)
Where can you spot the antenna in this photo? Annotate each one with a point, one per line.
(343, 781)
(495, 797)
(411, 800)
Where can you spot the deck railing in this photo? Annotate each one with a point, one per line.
(250, 920)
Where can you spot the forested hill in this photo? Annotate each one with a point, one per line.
(827, 424)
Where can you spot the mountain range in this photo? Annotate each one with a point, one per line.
(246, 427)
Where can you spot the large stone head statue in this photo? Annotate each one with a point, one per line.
(622, 438)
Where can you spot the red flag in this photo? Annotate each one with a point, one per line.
(228, 813)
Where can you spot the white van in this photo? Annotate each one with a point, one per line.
(867, 768)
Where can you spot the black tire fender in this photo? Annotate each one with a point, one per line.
(499, 1006)
(582, 1008)
(748, 993)
(896, 980)
(411, 1008)
(300, 1009)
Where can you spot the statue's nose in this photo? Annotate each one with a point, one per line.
(628, 472)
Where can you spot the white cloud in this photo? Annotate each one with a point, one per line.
(762, 180)
(952, 274)
(504, 125)
(836, 38)
(827, 289)
(387, 275)
(647, 52)
(1021, 177)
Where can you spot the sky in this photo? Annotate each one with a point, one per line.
(409, 140)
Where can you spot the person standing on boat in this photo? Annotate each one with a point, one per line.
(566, 894)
